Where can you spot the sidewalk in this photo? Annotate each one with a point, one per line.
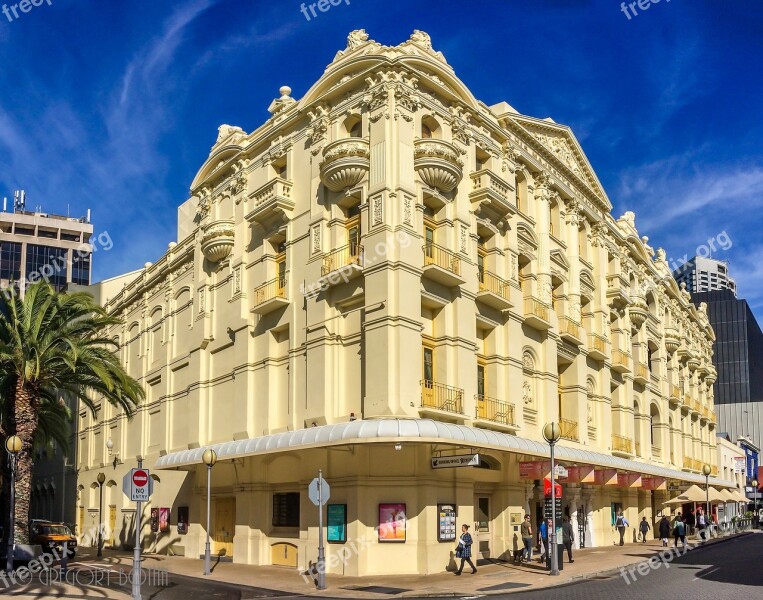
(491, 578)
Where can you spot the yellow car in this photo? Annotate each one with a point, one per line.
(51, 536)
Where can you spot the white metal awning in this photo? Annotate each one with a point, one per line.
(418, 431)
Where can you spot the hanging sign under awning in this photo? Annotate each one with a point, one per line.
(460, 460)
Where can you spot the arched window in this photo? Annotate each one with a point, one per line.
(430, 128)
(156, 334)
(353, 126)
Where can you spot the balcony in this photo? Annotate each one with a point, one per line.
(490, 189)
(569, 430)
(537, 314)
(597, 346)
(618, 291)
(342, 264)
(273, 201)
(345, 163)
(495, 411)
(270, 296)
(570, 330)
(672, 339)
(437, 163)
(621, 361)
(493, 291)
(691, 464)
(714, 470)
(440, 397)
(640, 373)
(622, 446)
(656, 452)
(217, 241)
(704, 414)
(675, 395)
(441, 265)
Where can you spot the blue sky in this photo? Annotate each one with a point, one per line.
(114, 105)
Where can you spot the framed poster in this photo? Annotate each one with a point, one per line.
(154, 520)
(446, 522)
(392, 522)
(164, 520)
(516, 518)
(336, 529)
(182, 520)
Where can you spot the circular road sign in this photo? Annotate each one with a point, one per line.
(140, 478)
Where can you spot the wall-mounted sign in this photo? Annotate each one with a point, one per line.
(446, 522)
(461, 460)
(739, 464)
(164, 520)
(337, 523)
(182, 520)
(154, 520)
(392, 522)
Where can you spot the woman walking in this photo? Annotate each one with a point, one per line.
(464, 550)
(644, 528)
(679, 531)
(664, 530)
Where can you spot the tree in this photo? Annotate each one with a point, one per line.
(53, 345)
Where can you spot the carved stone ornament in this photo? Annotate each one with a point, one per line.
(345, 163)
(226, 131)
(437, 163)
(356, 38)
(527, 393)
(407, 210)
(217, 240)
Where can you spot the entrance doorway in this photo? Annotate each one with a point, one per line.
(482, 528)
(225, 526)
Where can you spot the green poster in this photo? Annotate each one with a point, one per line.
(337, 523)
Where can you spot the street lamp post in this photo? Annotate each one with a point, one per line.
(706, 470)
(210, 458)
(754, 483)
(101, 479)
(13, 446)
(552, 433)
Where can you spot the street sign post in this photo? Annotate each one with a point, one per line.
(319, 492)
(138, 486)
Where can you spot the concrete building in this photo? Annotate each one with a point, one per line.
(705, 275)
(386, 274)
(738, 359)
(35, 245)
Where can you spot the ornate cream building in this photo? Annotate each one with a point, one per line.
(386, 272)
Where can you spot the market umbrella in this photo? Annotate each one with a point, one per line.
(715, 496)
(727, 496)
(693, 494)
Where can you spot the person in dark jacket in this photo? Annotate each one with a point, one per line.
(464, 550)
(664, 530)
(567, 537)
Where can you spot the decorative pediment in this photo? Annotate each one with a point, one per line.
(526, 234)
(561, 143)
(560, 259)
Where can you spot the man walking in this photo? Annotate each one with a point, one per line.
(644, 528)
(527, 539)
(567, 537)
(544, 526)
(689, 522)
(621, 523)
(664, 530)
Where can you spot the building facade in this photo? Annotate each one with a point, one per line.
(738, 359)
(387, 278)
(33, 246)
(702, 274)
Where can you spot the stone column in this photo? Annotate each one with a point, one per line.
(543, 196)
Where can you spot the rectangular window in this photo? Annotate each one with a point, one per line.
(286, 509)
(80, 269)
(10, 261)
(47, 263)
(428, 364)
(481, 380)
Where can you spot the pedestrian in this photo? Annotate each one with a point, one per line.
(679, 531)
(664, 530)
(621, 523)
(527, 539)
(544, 527)
(689, 522)
(644, 528)
(701, 524)
(464, 550)
(567, 537)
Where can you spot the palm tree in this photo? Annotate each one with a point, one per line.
(53, 346)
